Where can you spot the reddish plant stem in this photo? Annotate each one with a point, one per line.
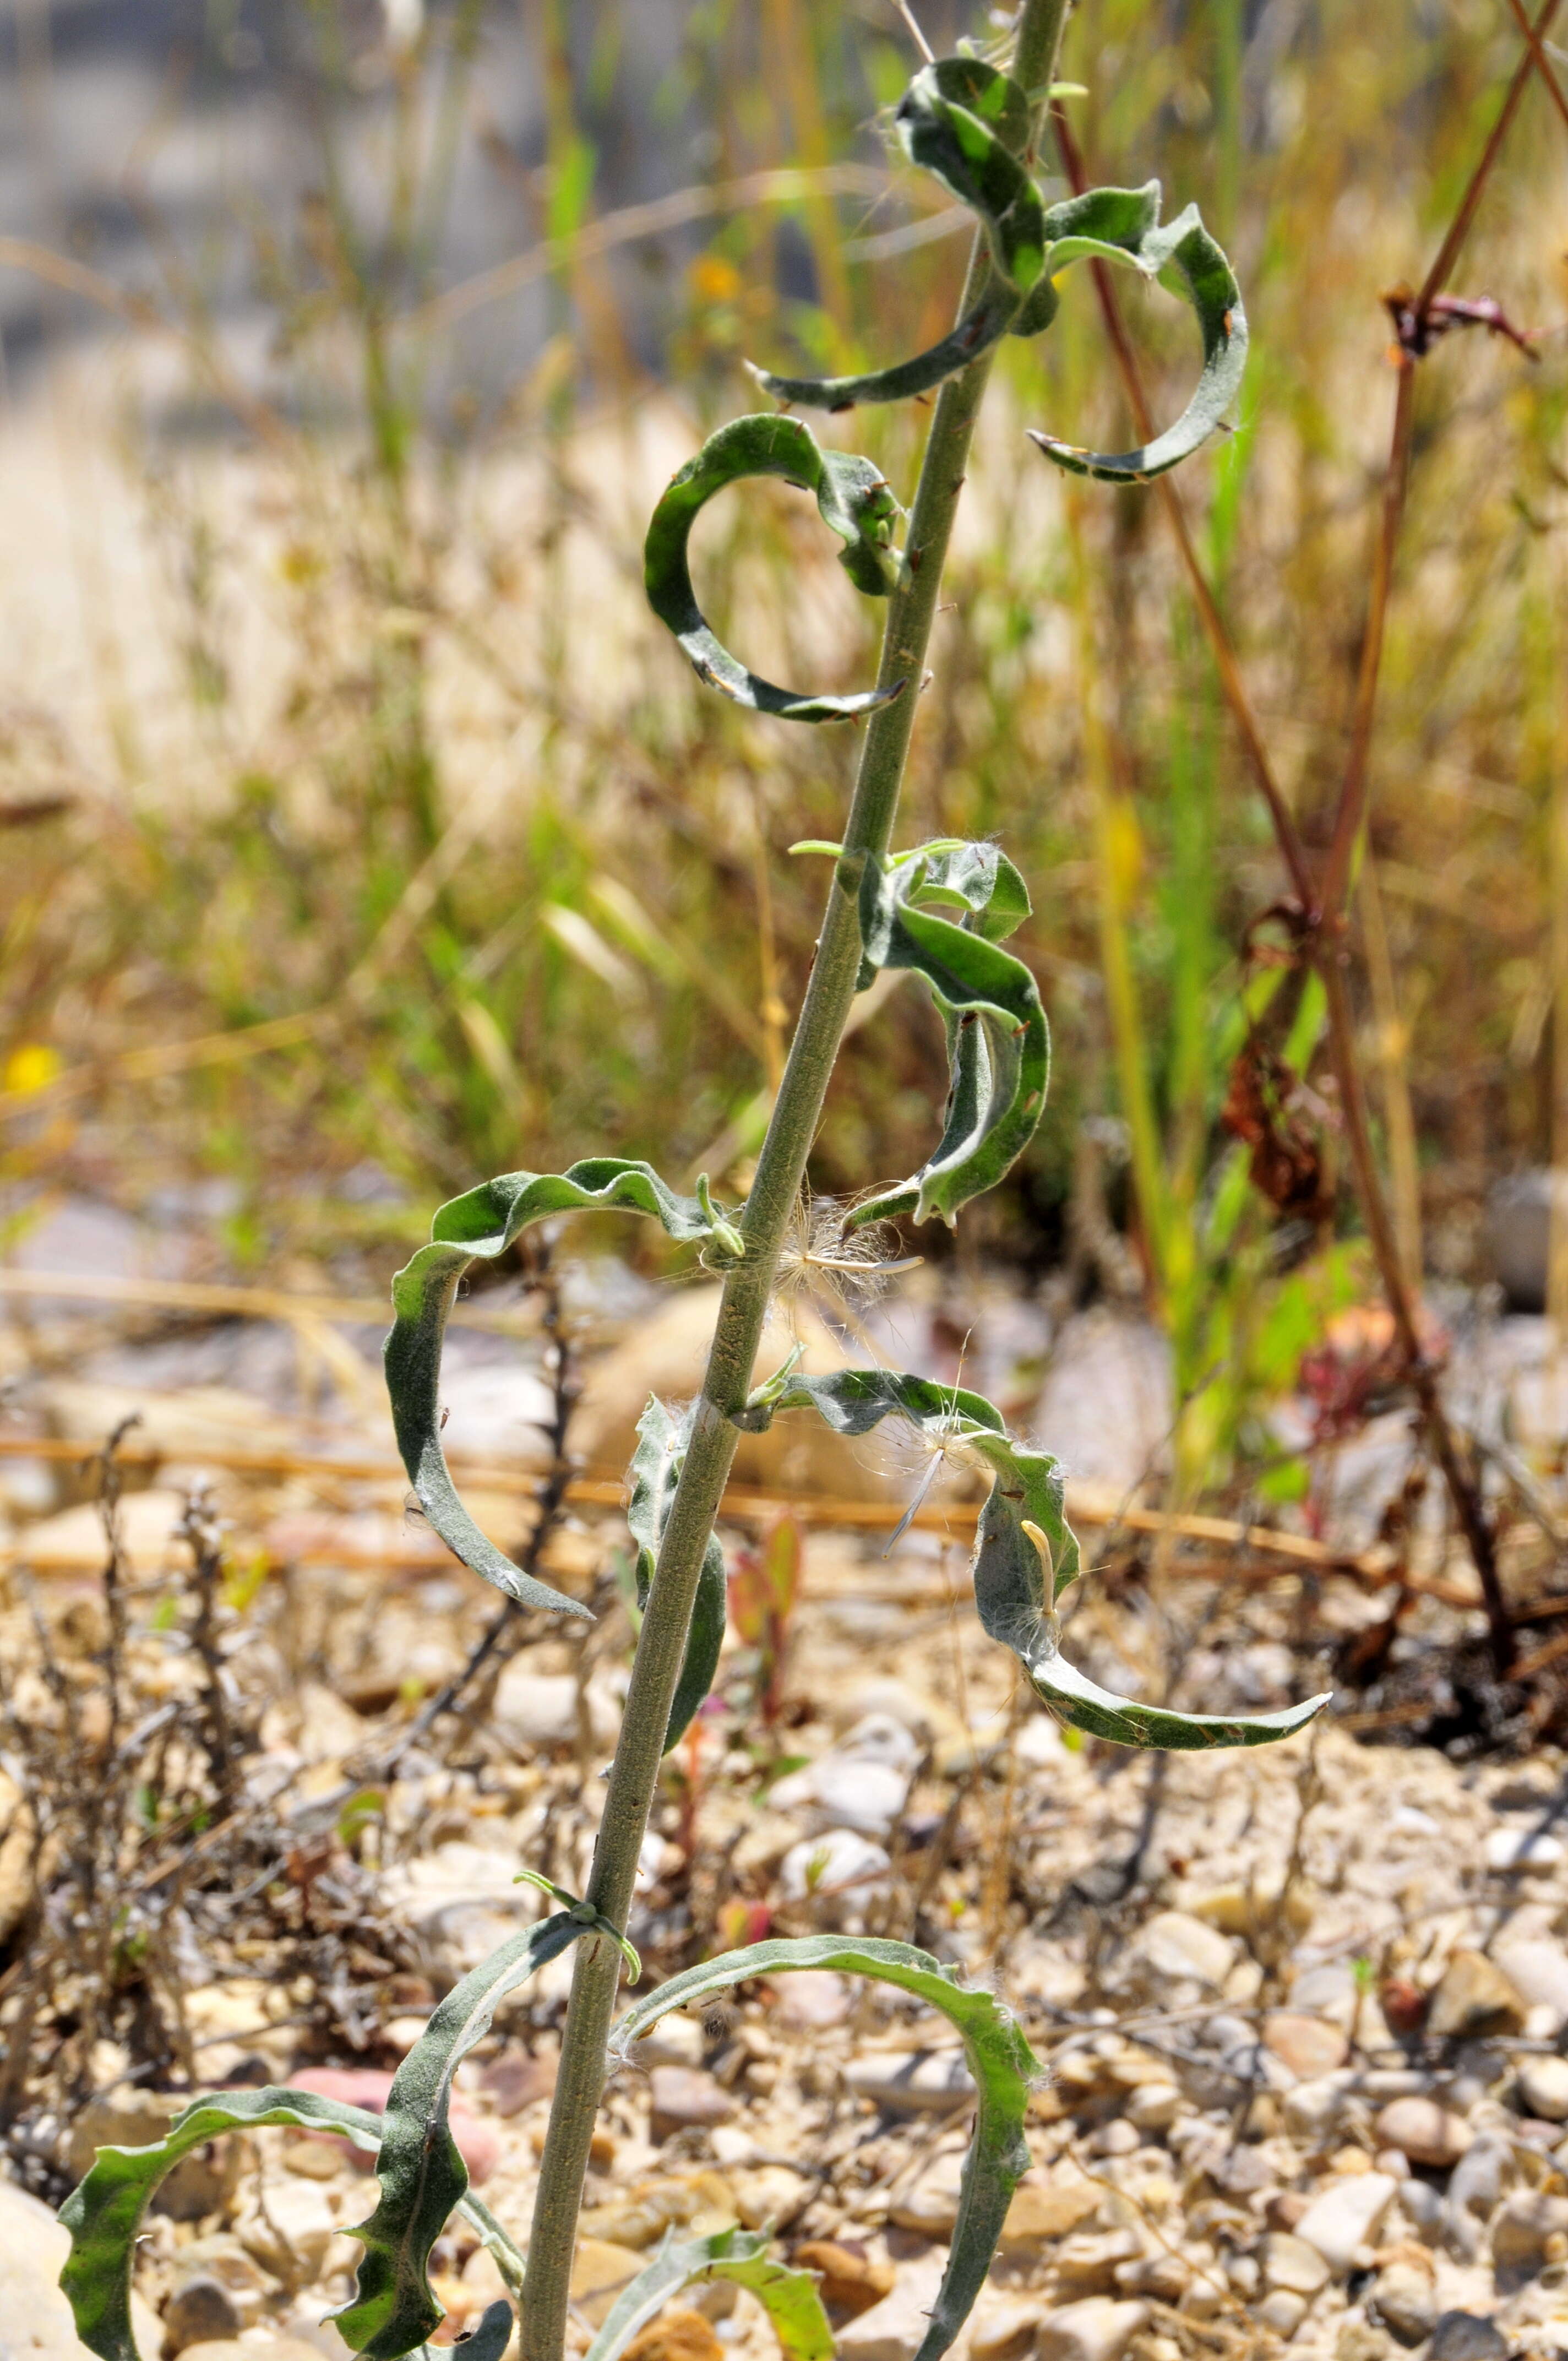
(1459, 228)
(1543, 62)
(1320, 941)
(1350, 813)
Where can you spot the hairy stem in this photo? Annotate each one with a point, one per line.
(748, 1288)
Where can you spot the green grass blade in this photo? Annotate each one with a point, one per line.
(1003, 2065)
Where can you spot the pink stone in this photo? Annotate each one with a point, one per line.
(478, 2143)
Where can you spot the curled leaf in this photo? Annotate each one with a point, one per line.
(423, 2176)
(789, 2297)
(1123, 226)
(967, 125)
(104, 2212)
(1003, 2065)
(1024, 1552)
(999, 1045)
(662, 1441)
(480, 1225)
(855, 500)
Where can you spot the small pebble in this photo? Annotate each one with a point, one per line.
(1344, 2216)
(684, 2098)
(1543, 2088)
(1467, 2337)
(1006, 2333)
(1308, 2045)
(1096, 2330)
(1405, 2301)
(1475, 2001)
(1424, 2131)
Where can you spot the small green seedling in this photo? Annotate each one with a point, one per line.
(944, 911)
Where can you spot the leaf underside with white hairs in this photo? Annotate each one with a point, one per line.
(423, 2176)
(1003, 2067)
(740, 2257)
(999, 1045)
(481, 1225)
(967, 125)
(104, 2212)
(854, 499)
(663, 1440)
(1122, 226)
(1013, 1595)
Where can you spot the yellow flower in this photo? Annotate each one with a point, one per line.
(30, 1067)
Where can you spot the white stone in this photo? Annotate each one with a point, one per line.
(1313, 2109)
(1098, 2329)
(35, 2320)
(1154, 2106)
(1005, 2331)
(1289, 2262)
(893, 2330)
(294, 2232)
(1539, 1969)
(1543, 2087)
(884, 1738)
(1345, 2215)
(1282, 2312)
(1176, 1948)
(912, 2082)
(865, 1797)
(1523, 1848)
(930, 2204)
(838, 1862)
(1405, 2299)
(541, 1710)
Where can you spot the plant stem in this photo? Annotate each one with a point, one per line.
(1321, 913)
(747, 1292)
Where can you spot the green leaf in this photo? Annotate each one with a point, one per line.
(855, 500)
(998, 1044)
(490, 2339)
(789, 2297)
(1123, 226)
(967, 124)
(103, 2213)
(1003, 2066)
(586, 1916)
(423, 2176)
(480, 1225)
(662, 1441)
(1024, 1553)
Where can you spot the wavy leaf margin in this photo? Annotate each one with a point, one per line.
(1024, 1552)
(789, 2297)
(1003, 2066)
(479, 1226)
(854, 499)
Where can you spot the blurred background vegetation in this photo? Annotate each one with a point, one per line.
(365, 835)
